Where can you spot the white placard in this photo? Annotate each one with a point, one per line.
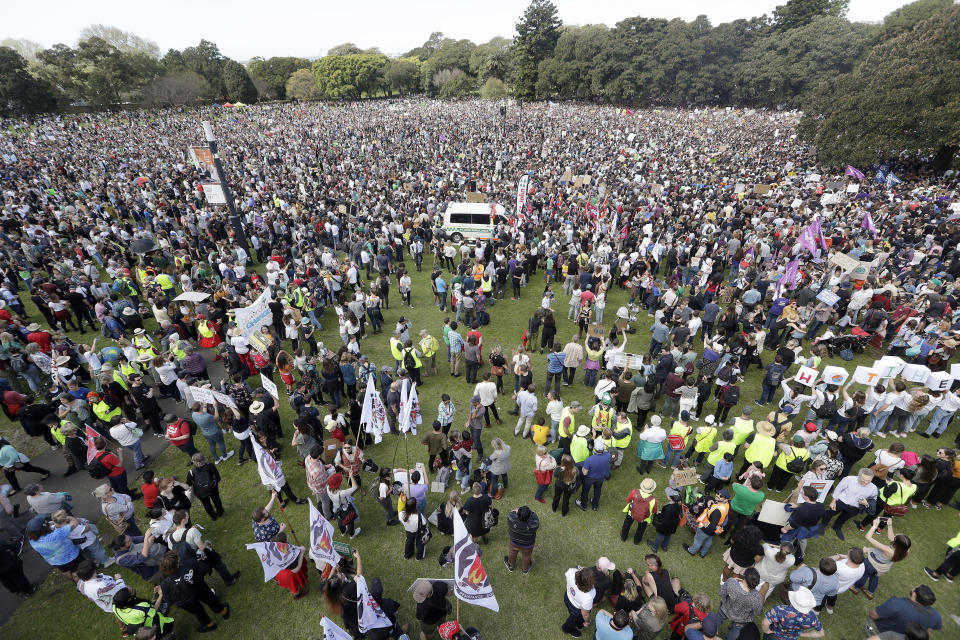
(807, 376)
(251, 318)
(835, 375)
(915, 373)
(631, 137)
(866, 375)
(889, 367)
(772, 512)
(214, 193)
(225, 399)
(853, 187)
(828, 297)
(939, 381)
(822, 487)
(270, 386)
(203, 396)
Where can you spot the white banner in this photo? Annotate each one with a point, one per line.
(203, 396)
(271, 475)
(321, 538)
(275, 557)
(331, 631)
(270, 386)
(471, 582)
(374, 414)
(251, 318)
(522, 186)
(369, 614)
(224, 399)
(410, 415)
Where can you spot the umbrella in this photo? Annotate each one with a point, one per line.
(227, 104)
(141, 181)
(142, 246)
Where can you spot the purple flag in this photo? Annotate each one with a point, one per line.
(868, 224)
(818, 233)
(808, 241)
(853, 173)
(790, 274)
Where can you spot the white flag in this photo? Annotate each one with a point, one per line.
(374, 414)
(410, 415)
(369, 614)
(321, 538)
(275, 557)
(331, 631)
(471, 583)
(271, 475)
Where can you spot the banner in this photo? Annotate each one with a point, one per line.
(522, 186)
(224, 399)
(270, 386)
(369, 614)
(410, 415)
(251, 318)
(271, 475)
(374, 414)
(321, 538)
(471, 582)
(331, 631)
(275, 557)
(202, 395)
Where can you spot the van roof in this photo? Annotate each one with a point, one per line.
(474, 207)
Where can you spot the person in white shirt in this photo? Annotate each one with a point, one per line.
(128, 434)
(578, 598)
(487, 390)
(554, 412)
(99, 588)
(527, 403)
(949, 404)
(852, 496)
(849, 569)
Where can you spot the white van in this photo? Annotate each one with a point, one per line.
(472, 220)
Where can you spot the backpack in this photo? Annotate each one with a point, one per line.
(726, 372)
(796, 464)
(956, 468)
(775, 378)
(828, 408)
(643, 506)
(731, 396)
(18, 363)
(203, 483)
(96, 468)
(408, 362)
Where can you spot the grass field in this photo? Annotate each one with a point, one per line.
(530, 605)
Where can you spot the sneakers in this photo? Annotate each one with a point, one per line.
(582, 507)
(930, 573)
(829, 609)
(355, 533)
(686, 548)
(527, 570)
(229, 455)
(541, 500)
(506, 563)
(218, 460)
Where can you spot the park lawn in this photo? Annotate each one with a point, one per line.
(528, 604)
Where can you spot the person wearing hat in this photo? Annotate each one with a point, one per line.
(792, 459)
(650, 445)
(641, 507)
(432, 605)
(580, 445)
(702, 439)
(710, 524)
(793, 620)
(595, 470)
(567, 425)
(761, 446)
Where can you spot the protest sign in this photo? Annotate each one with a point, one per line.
(251, 318)
(772, 512)
(807, 376)
(889, 367)
(821, 486)
(595, 330)
(224, 399)
(203, 396)
(939, 381)
(955, 371)
(270, 386)
(828, 297)
(915, 373)
(866, 375)
(835, 375)
(275, 557)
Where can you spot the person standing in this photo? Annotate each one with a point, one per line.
(852, 495)
(642, 506)
(116, 473)
(456, 349)
(710, 524)
(487, 390)
(474, 509)
(897, 612)
(432, 605)
(179, 434)
(12, 461)
(183, 586)
(99, 588)
(475, 424)
(595, 470)
(437, 445)
(527, 404)
(740, 602)
(522, 526)
(128, 434)
(578, 598)
(205, 481)
(572, 359)
(555, 369)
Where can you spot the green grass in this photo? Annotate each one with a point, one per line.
(529, 605)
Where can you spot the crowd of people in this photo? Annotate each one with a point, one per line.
(736, 265)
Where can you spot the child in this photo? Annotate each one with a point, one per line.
(721, 473)
(540, 430)
(754, 470)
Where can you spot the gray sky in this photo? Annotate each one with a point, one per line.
(247, 28)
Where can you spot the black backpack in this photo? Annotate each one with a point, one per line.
(96, 468)
(408, 362)
(796, 464)
(828, 408)
(731, 396)
(203, 482)
(18, 363)
(774, 378)
(726, 372)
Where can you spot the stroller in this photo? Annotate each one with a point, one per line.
(855, 342)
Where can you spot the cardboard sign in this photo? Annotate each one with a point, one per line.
(203, 396)
(835, 375)
(889, 367)
(807, 376)
(685, 477)
(330, 448)
(476, 196)
(828, 297)
(761, 189)
(270, 386)
(595, 330)
(939, 381)
(915, 373)
(866, 375)
(772, 512)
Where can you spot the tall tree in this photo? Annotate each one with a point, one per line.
(20, 92)
(125, 41)
(58, 67)
(302, 86)
(350, 76)
(537, 33)
(451, 54)
(26, 48)
(424, 51)
(275, 72)
(800, 13)
(237, 82)
(402, 75)
(182, 87)
(206, 59)
(345, 49)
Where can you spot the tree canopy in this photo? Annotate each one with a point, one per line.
(275, 72)
(20, 92)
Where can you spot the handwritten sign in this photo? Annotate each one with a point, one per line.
(270, 386)
(915, 373)
(828, 297)
(866, 375)
(807, 376)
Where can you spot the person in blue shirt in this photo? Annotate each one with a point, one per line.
(595, 470)
(721, 473)
(441, 285)
(555, 363)
(613, 626)
(776, 308)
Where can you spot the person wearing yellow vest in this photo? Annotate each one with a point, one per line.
(677, 439)
(742, 426)
(135, 614)
(208, 332)
(792, 460)
(429, 347)
(166, 283)
(396, 350)
(104, 411)
(622, 434)
(641, 507)
(710, 524)
(602, 414)
(414, 371)
(702, 440)
(950, 566)
(761, 446)
(580, 446)
(567, 426)
(893, 499)
(717, 451)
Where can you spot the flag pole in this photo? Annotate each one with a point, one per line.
(286, 521)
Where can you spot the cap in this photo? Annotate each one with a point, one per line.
(798, 438)
(575, 404)
(475, 399)
(710, 624)
(449, 630)
(35, 524)
(810, 426)
(724, 494)
(599, 446)
(710, 419)
(684, 415)
(422, 589)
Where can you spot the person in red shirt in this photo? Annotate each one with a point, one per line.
(4, 314)
(116, 472)
(149, 489)
(42, 338)
(12, 402)
(179, 435)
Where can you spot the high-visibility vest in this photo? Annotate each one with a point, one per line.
(478, 272)
(784, 459)
(704, 440)
(902, 494)
(178, 353)
(298, 298)
(954, 541)
(761, 449)
(722, 447)
(741, 430)
(704, 519)
(682, 430)
(579, 450)
(119, 379)
(429, 346)
(396, 348)
(141, 615)
(165, 281)
(129, 370)
(55, 432)
(572, 427)
(602, 417)
(102, 410)
(486, 285)
(416, 361)
(204, 329)
(624, 442)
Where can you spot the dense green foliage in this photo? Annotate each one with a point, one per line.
(275, 72)
(349, 76)
(20, 92)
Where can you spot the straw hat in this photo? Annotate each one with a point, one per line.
(764, 428)
(583, 431)
(256, 407)
(648, 485)
(33, 326)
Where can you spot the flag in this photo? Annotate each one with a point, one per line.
(789, 278)
(470, 581)
(807, 240)
(410, 415)
(275, 557)
(374, 414)
(369, 614)
(892, 179)
(92, 435)
(818, 232)
(881, 176)
(625, 232)
(868, 224)
(321, 538)
(331, 631)
(271, 475)
(853, 173)
(522, 194)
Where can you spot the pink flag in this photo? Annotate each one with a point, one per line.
(868, 224)
(853, 173)
(808, 241)
(818, 233)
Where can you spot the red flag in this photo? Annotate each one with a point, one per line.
(91, 447)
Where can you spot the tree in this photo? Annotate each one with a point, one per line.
(800, 13)
(302, 86)
(459, 86)
(907, 16)
(275, 72)
(125, 41)
(402, 75)
(494, 89)
(58, 67)
(349, 76)
(206, 60)
(451, 54)
(537, 35)
(26, 48)
(427, 49)
(20, 92)
(345, 49)
(237, 82)
(183, 87)
(904, 95)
